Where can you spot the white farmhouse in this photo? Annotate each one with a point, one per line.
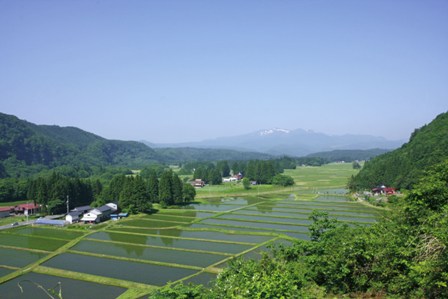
(99, 214)
(73, 217)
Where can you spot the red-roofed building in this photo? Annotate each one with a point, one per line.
(27, 209)
(384, 190)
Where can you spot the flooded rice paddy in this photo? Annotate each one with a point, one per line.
(71, 288)
(186, 244)
(18, 258)
(171, 242)
(120, 269)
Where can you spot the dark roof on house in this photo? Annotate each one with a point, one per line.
(74, 213)
(82, 208)
(104, 208)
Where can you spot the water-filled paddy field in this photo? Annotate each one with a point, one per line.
(154, 254)
(31, 242)
(71, 289)
(172, 242)
(18, 258)
(187, 244)
(120, 269)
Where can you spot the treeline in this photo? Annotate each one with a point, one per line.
(136, 194)
(348, 155)
(133, 193)
(52, 192)
(262, 171)
(16, 189)
(403, 167)
(403, 255)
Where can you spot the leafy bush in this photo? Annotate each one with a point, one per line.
(283, 180)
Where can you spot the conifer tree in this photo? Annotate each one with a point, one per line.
(177, 189)
(166, 188)
(153, 186)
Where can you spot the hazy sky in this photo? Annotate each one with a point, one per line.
(174, 71)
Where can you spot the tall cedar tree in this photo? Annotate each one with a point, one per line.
(224, 168)
(166, 188)
(177, 189)
(153, 187)
(140, 196)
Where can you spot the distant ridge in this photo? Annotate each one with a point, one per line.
(296, 143)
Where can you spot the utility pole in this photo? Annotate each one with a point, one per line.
(68, 209)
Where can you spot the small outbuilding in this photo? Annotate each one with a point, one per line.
(123, 215)
(45, 221)
(27, 209)
(5, 211)
(73, 217)
(198, 183)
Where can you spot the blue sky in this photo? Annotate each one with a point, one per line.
(175, 71)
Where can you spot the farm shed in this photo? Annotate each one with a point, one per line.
(100, 213)
(5, 211)
(45, 221)
(198, 183)
(73, 217)
(27, 209)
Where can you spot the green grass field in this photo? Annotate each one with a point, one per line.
(308, 181)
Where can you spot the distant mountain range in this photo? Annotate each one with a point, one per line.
(27, 148)
(297, 142)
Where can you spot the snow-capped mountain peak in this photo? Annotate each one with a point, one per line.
(273, 131)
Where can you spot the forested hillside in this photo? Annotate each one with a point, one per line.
(27, 148)
(404, 166)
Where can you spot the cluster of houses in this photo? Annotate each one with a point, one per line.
(84, 214)
(199, 183)
(233, 178)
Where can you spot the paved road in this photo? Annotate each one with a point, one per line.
(21, 223)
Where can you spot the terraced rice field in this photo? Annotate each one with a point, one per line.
(130, 257)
